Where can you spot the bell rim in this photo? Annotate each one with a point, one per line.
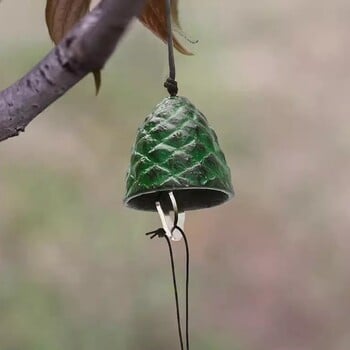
(229, 195)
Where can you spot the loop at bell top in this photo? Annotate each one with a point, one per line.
(176, 150)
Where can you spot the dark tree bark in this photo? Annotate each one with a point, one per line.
(85, 49)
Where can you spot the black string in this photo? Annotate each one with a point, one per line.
(176, 292)
(170, 84)
(187, 282)
(161, 233)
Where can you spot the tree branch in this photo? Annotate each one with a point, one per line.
(85, 48)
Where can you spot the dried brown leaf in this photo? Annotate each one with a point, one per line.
(61, 16)
(154, 18)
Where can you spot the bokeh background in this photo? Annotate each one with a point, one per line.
(270, 270)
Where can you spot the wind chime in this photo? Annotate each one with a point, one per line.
(176, 165)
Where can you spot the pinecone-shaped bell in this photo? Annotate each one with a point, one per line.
(176, 150)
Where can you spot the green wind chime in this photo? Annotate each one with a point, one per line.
(176, 165)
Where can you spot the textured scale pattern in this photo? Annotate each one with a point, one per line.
(176, 149)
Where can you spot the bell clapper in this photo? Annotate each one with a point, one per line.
(171, 225)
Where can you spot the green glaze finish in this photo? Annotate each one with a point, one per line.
(176, 150)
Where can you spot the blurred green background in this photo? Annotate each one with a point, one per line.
(270, 270)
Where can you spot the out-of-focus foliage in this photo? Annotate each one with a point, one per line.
(269, 270)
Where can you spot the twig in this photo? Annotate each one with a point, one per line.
(85, 48)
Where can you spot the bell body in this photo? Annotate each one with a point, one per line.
(176, 150)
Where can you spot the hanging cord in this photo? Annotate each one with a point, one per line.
(187, 281)
(170, 84)
(161, 233)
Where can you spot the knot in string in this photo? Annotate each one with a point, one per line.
(171, 85)
(160, 232)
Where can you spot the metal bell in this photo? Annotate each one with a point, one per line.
(176, 151)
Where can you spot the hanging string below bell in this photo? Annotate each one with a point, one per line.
(175, 232)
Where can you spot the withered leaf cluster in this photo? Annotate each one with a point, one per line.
(61, 15)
